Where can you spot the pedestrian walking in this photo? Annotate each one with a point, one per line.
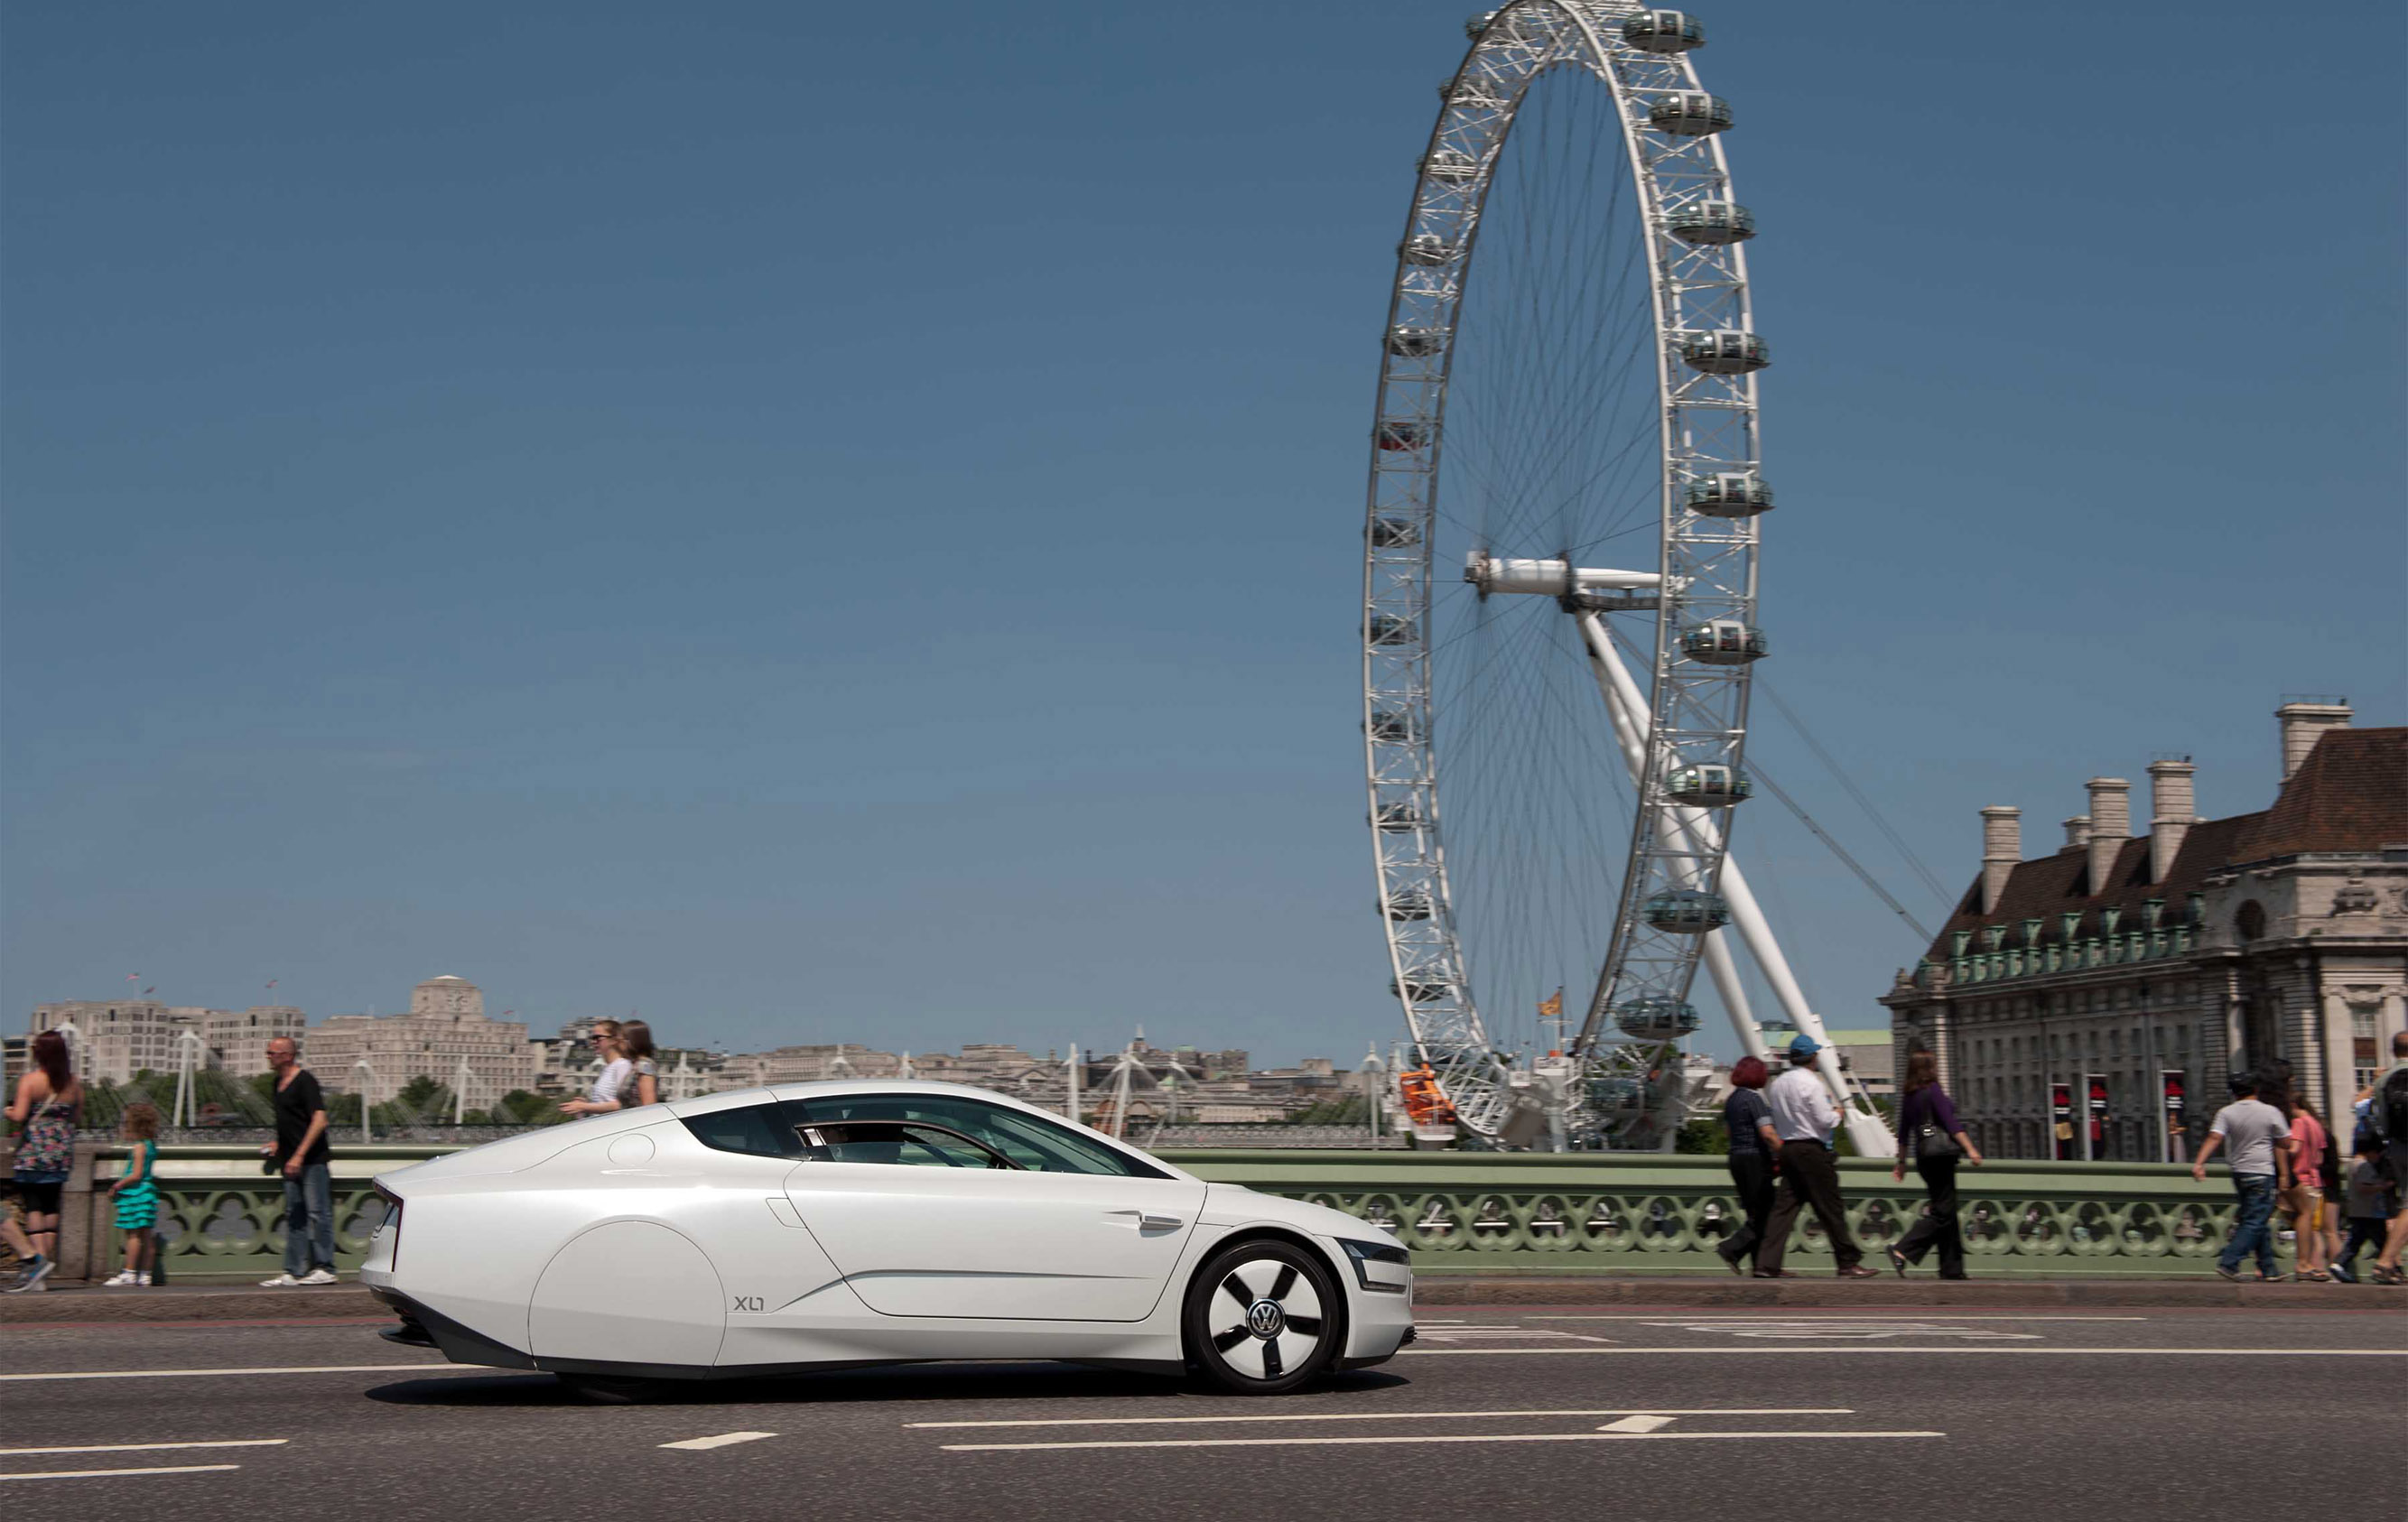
(300, 1153)
(1754, 1147)
(1929, 1129)
(1803, 1117)
(2388, 1110)
(2256, 1141)
(2305, 1198)
(616, 1074)
(136, 1196)
(48, 1103)
(643, 1085)
(2373, 1201)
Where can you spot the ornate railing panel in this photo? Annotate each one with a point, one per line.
(1485, 1212)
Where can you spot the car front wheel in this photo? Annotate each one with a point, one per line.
(1263, 1318)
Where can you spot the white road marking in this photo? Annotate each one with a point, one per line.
(1637, 1423)
(1451, 1334)
(314, 1369)
(1406, 1416)
(138, 1447)
(1860, 1329)
(721, 1440)
(2042, 1352)
(1422, 1438)
(104, 1473)
(1657, 1318)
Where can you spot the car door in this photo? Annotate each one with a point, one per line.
(1015, 1218)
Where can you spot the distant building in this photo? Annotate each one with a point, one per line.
(2073, 999)
(446, 1025)
(116, 1038)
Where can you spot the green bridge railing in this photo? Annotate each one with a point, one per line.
(1460, 1213)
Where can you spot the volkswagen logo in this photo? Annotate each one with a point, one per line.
(1264, 1318)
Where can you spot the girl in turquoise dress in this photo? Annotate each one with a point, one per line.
(137, 1197)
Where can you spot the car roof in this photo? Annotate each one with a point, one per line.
(832, 1087)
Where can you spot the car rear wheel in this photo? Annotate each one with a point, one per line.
(1263, 1318)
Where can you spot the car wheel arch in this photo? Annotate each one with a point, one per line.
(1288, 1236)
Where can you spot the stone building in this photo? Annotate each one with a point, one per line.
(2137, 972)
(446, 1025)
(116, 1038)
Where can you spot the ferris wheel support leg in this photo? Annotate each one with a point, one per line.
(1873, 1137)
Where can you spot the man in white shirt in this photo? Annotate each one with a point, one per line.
(1803, 1117)
(2256, 1141)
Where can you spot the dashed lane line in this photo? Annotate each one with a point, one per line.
(1403, 1417)
(212, 1374)
(1427, 1438)
(1660, 1317)
(112, 1473)
(721, 1440)
(146, 1447)
(1832, 1349)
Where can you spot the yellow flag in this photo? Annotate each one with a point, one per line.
(1554, 1005)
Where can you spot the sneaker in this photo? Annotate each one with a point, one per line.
(30, 1274)
(2342, 1274)
(320, 1276)
(124, 1278)
(2228, 1275)
(1857, 1271)
(1898, 1261)
(285, 1281)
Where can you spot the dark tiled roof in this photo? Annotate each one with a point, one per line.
(2351, 794)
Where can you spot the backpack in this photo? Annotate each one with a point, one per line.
(2389, 1114)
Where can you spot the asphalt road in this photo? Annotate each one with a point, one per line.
(1516, 1413)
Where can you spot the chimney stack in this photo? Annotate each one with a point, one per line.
(2304, 721)
(2003, 847)
(2111, 825)
(2173, 811)
(2077, 833)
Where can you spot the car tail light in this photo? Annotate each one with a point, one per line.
(391, 1219)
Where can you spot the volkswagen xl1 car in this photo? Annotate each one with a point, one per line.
(819, 1225)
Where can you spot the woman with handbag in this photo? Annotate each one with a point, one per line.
(1928, 1128)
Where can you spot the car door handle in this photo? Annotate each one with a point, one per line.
(1149, 1222)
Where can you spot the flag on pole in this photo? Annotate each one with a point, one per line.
(1552, 1005)
(147, 992)
(271, 983)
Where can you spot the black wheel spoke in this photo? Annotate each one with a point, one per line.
(1310, 1326)
(1286, 1282)
(1271, 1369)
(1238, 1291)
(1224, 1342)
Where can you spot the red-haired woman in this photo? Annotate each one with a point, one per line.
(49, 1099)
(1754, 1147)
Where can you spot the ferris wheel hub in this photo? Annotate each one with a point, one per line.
(1551, 577)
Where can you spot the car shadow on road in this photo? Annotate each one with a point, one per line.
(920, 1382)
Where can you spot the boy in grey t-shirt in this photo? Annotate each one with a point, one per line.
(2257, 1143)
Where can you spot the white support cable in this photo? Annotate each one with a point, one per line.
(1871, 1136)
(1756, 774)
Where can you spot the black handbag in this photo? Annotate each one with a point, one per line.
(1931, 1142)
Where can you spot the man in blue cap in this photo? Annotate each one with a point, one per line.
(1803, 1116)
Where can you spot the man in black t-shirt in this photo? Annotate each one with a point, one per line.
(299, 1153)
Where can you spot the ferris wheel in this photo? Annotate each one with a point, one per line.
(1561, 578)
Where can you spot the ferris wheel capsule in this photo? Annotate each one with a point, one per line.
(1393, 726)
(1403, 435)
(1686, 912)
(1396, 818)
(1708, 786)
(1393, 533)
(1690, 113)
(1408, 908)
(1393, 629)
(1712, 222)
(1663, 32)
(1729, 493)
(1477, 23)
(1613, 1093)
(1415, 342)
(1451, 163)
(1656, 1018)
(1425, 248)
(1421, 988)
(1727, 352)
(1725, 641)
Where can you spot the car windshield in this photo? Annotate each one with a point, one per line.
(1034, 1143)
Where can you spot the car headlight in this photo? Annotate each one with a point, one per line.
(1380, 1265)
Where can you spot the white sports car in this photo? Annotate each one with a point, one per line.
(819, 1225)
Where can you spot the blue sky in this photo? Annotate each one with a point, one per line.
(819, 527)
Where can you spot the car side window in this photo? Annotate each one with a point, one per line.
(1031, 1143)
(758, 1130)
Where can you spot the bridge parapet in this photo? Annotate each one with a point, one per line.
(1459, 1212)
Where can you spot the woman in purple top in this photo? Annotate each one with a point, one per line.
(1925, 1106)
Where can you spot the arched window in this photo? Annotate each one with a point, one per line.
(2249, 921)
